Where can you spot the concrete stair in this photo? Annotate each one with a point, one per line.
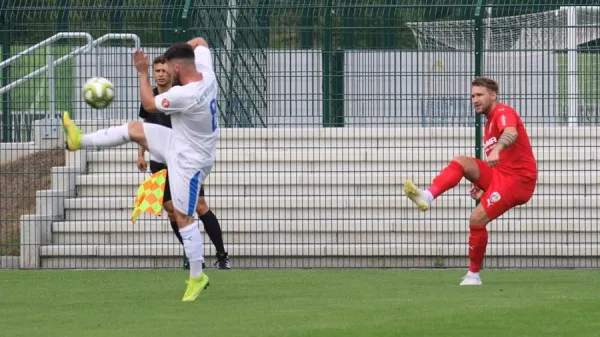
(327, 198)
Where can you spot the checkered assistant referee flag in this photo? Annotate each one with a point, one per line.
(149, 198)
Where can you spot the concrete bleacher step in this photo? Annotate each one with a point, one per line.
(318, 183)
(344, 160)
(374, 137)
(422, 225)
(350, 154)
(314, 249)
(153, 262)
(336, 202)
(321, 255)
(297, 212)
(318, 178)
(342, 207)
(316, 197)
(332, 232)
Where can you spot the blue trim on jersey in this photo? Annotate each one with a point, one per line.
(193, 194)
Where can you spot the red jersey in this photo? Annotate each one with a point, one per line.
(516, 160)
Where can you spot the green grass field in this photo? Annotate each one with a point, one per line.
(588, 77)
(35, 94)
(301, 303)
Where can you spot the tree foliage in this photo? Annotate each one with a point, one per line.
(285, 24)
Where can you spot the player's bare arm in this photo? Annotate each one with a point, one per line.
(476, 192)
(197, 42)
(140, 61)
(508, 138)
(141, 161)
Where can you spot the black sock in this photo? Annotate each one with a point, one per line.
(213, 229)
(176, 230)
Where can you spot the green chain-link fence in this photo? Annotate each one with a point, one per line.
(326, 107)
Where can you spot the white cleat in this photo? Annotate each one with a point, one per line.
(471, 280)
(416, 195)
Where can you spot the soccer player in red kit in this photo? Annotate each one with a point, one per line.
(506, 178)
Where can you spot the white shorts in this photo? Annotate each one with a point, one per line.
(184, 182)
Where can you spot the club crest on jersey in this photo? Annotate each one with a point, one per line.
(494, 197)
(165, 103)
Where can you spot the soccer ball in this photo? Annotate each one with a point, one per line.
(98, 92)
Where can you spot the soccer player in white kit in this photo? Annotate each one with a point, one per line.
(188, 148)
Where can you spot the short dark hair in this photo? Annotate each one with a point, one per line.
(179, 50)
(486, 83)
(159, 59)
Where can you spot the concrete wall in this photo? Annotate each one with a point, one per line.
(381, 87)
(323, 197)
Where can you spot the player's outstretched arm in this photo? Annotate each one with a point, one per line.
(146, 94)
(140, 61)
(197, 42)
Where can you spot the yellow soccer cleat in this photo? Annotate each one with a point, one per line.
(72, 133)
(416, 195)
(195, 287)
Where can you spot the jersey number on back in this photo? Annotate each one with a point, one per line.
(213, 114)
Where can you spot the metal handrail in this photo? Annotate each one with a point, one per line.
(50, 128)
(81, 50)
(45, 43)
(115, 36)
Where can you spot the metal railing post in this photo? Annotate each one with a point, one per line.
(44, 43)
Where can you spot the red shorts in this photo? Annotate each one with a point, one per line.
(501, 191)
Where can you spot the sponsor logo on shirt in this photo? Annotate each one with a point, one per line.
(489, 144)
(165, 103)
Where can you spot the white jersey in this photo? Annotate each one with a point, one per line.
(193, 111)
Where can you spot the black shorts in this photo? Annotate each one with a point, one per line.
(155, 167)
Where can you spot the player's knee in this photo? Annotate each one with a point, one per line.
(170, 210)
(135, 126)
(478, 217)
(183, 219)
(202, 207)
(470, 168)
(462, 160)
(136, 131)
(171, 215)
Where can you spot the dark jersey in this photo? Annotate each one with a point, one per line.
(155, 117)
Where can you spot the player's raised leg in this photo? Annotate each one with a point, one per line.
(449, 177)
(109, 137)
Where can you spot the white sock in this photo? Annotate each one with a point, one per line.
(192, 244)
(113, 136)
(428, 196)
(472, 274)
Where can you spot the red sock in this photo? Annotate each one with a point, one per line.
(448, 177)
(477, 244)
